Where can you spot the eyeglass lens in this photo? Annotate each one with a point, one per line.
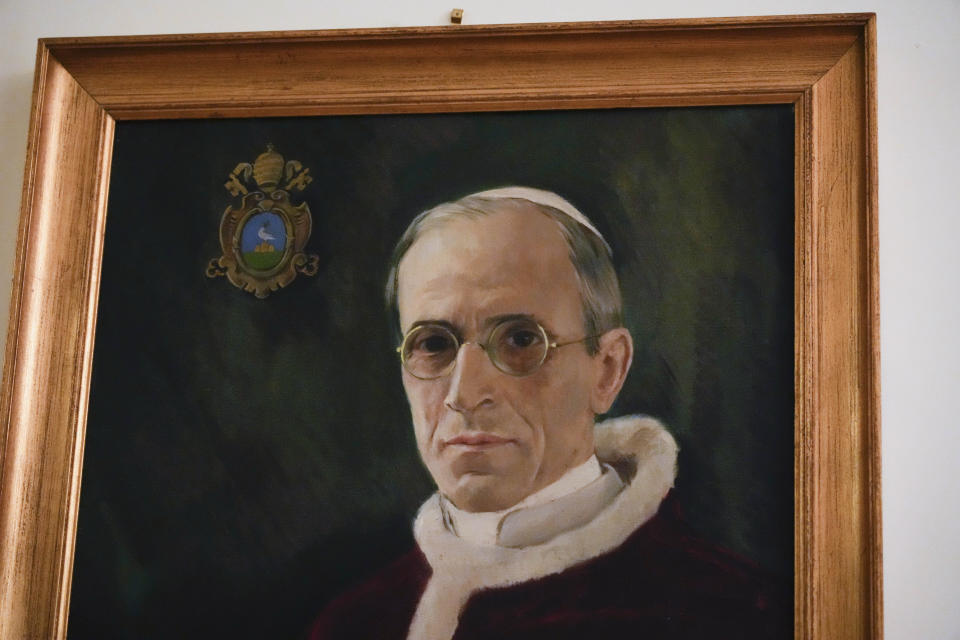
(516, 347)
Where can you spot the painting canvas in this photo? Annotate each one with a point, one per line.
(248, 459)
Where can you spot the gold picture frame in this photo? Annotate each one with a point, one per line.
(823, 65)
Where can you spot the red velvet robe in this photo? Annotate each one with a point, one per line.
(662, 582)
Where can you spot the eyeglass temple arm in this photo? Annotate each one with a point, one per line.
(554, 345)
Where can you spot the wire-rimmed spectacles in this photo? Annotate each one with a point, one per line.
(515, 346)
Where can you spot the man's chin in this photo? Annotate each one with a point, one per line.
(476, 492)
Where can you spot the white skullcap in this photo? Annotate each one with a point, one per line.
(548, 198)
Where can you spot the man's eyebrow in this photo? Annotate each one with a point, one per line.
(487, 323)
(507, 317)
(442, 323)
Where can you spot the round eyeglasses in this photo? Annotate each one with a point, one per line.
(515, 346)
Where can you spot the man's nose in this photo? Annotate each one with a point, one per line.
(471, 381)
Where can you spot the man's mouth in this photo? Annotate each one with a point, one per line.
(477, 440)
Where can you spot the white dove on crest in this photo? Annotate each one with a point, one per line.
(263, 234)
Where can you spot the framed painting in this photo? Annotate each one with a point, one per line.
(197, 328)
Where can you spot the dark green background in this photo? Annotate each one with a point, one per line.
(247, 459)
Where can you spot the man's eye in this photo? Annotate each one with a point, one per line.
(522, 339)
(434, 343)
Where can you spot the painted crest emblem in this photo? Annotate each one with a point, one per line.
(264, 236)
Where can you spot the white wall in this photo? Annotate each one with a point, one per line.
(919, 218)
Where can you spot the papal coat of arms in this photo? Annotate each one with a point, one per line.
(263, 238)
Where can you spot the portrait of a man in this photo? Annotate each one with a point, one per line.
(561, 409)
(545, 524)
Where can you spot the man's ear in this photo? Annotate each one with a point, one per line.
(612, 360)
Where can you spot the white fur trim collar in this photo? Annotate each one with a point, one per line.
(644, 454)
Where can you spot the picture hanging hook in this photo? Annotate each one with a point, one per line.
(456, 16)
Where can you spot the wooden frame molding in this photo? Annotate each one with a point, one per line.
(823, 65)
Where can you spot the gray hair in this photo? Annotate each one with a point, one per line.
(602, 306)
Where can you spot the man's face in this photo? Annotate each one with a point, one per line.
(490, 439)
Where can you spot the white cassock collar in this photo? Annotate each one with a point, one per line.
(484, 527)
